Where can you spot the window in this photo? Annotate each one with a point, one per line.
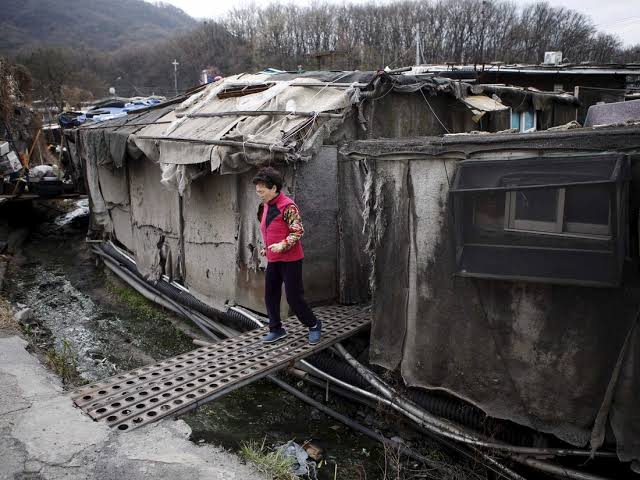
(553, 220)
(524, 121)
(488, 210)
(574, 210)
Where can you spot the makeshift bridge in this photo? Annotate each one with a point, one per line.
(182, 383)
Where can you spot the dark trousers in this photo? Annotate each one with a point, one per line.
(291, 274)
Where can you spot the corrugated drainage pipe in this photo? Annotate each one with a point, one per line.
(449, 408)
(149, 294)
(448, 429)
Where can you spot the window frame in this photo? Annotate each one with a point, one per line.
(575, 253)
(560, 227)
(521, 116)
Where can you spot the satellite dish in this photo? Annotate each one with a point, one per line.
(112, 91)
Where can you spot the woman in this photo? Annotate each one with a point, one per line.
(281, 228)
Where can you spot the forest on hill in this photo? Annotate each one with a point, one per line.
(99, 24)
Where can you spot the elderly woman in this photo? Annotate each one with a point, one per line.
(281, 228)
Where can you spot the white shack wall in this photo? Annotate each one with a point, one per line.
(115, 192)
(250, 278)
(221, 232)
(210, 215)
(154, 213)
(313, 186)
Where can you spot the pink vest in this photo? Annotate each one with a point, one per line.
(274, 229)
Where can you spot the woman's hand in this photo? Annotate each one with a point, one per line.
(263, 252)
(277, 247)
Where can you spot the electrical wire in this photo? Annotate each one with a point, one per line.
(434, 113)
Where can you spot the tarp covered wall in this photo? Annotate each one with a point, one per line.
(315, 192)
(221, 236)
(155, 220)
(540, 355)
(210, 231)
(114, 186)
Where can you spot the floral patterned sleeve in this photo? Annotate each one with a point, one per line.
(292, 217)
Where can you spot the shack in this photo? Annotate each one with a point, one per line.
(172, 184)
(515, 267)
(488, 277)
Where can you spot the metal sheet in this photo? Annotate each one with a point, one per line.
(483, 103)
(144, 395)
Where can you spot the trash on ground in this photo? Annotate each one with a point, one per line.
(303, 465)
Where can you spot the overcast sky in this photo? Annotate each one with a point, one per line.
(613, 16)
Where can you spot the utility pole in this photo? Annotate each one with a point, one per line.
(175, 75)
(483, 13)
(418, 45)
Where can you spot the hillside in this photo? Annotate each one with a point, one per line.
(99, 24)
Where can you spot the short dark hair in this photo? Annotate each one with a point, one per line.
(270, 177)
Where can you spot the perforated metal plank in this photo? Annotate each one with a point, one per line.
(175, 385)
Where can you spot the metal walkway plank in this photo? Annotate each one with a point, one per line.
(178, 384)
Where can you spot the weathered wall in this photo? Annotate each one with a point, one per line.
(114, 186)
(210, 216)
(221, 233)
(354, 266)
(315, 193)
(313, 186)
(250, 277)
(563, 114)
(540, 355)
(154, 214)
(398, 115)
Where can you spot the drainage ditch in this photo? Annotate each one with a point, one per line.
(84, 318)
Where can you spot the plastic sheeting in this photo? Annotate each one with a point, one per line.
(191, 133)
(301, 463)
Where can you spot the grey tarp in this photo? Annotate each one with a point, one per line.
(539, 355)
(188, 132)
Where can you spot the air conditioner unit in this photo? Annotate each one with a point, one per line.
(552, 58)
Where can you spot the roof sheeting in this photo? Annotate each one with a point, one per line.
(247, 121)
(206, 119)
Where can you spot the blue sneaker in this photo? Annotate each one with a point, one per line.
(274, 336)
(315, 333)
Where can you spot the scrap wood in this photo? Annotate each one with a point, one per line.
(35, 140)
